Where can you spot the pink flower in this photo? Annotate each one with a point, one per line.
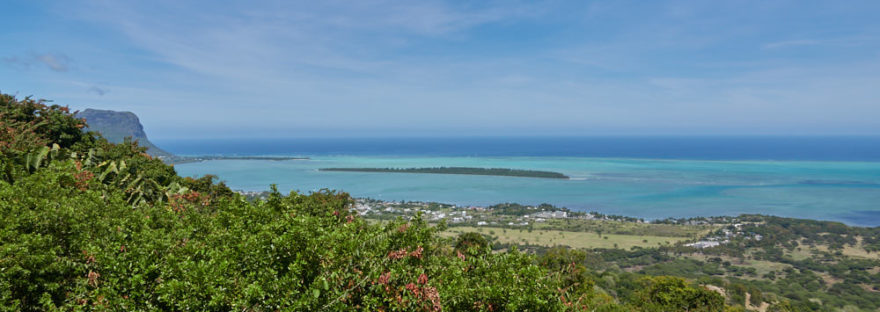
(399, 254)
(418, 252)
(93, 278)
(384, 278)
(423, 279)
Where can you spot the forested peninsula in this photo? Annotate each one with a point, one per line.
(461, 170)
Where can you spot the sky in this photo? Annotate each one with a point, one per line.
(215, 69)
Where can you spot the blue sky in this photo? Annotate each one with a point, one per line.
(411, 68)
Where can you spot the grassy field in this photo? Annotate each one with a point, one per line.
(762, 267)
(566, 238)
(857, 251)
(621, 227)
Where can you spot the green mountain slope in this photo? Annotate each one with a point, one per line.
(116, 126)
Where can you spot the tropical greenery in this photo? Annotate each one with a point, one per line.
(91, 225)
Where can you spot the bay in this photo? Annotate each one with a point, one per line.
(847, 191)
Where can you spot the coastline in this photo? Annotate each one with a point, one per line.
(191, 159)
(718, 147)
(643, 188)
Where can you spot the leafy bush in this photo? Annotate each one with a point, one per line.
(92, 225)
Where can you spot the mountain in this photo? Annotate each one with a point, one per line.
(116, 126)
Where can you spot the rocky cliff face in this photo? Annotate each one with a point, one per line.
(116, 126)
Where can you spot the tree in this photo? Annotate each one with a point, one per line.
(471, 243)
(663, 293)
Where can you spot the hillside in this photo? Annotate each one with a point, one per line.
(88, 224)
(116, 126)
(92, 225)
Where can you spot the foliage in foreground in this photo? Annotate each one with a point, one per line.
(93, 225)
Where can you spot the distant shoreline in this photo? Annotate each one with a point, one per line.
(461, 170)
(703, 148)
(192, 159)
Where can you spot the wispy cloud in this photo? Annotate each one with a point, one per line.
(56, 62)
(867, 38)
(291, 38)
(98, 90)
(791, 43)
(53, 61)
(16, 61)
(445, 65)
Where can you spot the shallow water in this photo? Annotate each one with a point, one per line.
(847, 191)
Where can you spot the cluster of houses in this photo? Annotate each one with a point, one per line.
(262, 195)
(458, 214)
(476, 215)
(543, 215)
(459, 217)
(724, 237)
(363, 208)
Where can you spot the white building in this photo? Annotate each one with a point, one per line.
(704, 244)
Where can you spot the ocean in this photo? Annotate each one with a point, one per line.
(826, 178)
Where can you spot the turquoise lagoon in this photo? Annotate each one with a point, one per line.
(847, 191)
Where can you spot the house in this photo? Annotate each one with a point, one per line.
(704, 244)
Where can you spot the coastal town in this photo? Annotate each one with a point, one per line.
(536, 224)
(699, 233)
(723, 236)
(494, 215)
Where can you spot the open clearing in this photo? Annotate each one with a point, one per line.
(761, 267)
(565, 238)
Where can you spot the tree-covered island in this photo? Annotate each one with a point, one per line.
(461, 170)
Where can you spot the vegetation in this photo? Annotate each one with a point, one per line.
(461, 170)
(550, 238)
(91, 225)
(514, 209)
(758, 262)
(543, 217)
(766, 262)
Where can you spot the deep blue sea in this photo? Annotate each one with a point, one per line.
(841, 148)
(828, 178)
